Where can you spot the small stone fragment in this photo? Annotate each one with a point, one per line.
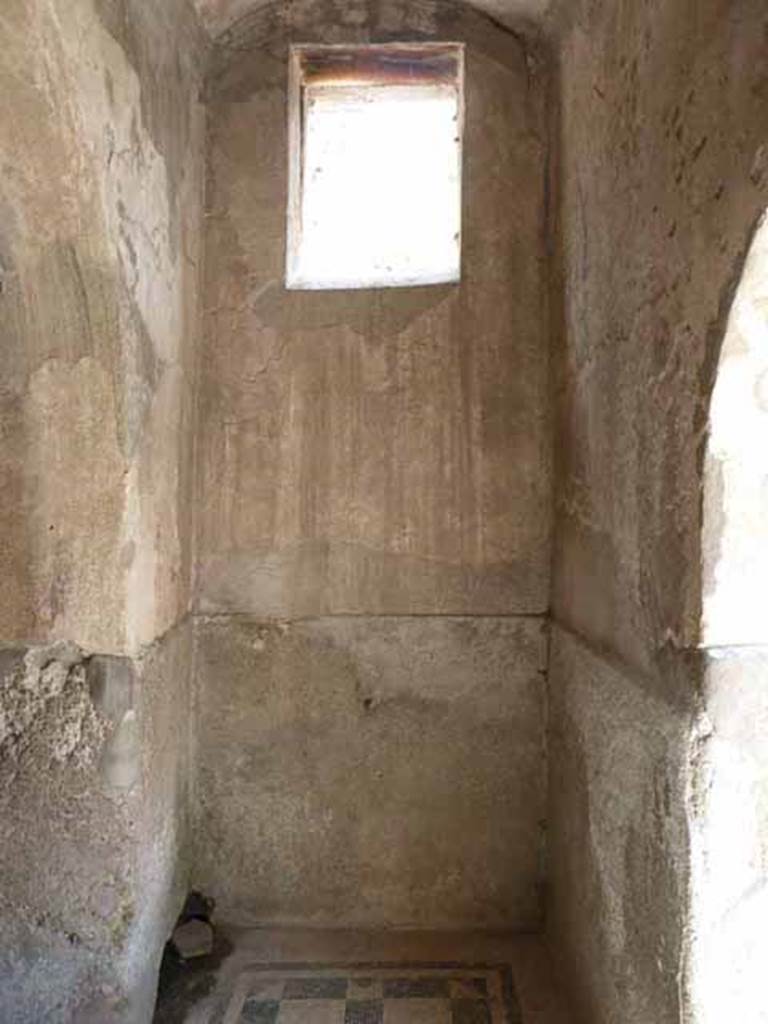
(193, 939)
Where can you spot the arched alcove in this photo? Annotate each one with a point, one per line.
(218, 16)
(377, 461)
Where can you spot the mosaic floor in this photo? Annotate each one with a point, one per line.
(373, 994)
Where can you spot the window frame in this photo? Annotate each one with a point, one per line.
(294, 280)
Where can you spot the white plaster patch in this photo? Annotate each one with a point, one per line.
(728, 817)
(736, 480)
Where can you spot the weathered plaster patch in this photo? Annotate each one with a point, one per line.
(93, 789)
(656, 170)
(48, 693)
(69, 412)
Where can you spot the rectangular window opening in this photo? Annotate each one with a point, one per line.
(375, 139)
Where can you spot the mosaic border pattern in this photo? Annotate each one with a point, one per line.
(299, 975)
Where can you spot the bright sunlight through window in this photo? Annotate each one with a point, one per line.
(375, 166)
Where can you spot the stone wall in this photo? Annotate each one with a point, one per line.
(372, 534)
(359, 772)
(94, 776)
(662, 128)
(101, 133)
(618, 852)
(378, 463)
(98, 245)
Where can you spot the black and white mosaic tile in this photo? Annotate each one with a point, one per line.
(374, 994)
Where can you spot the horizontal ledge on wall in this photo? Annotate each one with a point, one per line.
(256, 616)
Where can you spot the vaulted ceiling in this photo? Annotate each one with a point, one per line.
(217, 15)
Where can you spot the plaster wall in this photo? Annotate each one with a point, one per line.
(372, 772)
(663, 151)
(219, 16)
(665, 175)
(100, 200)
(376, 452)
(374, 474)
(618, 839)
(101, 137)
(94, 776)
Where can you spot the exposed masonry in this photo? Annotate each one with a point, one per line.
(45, 695)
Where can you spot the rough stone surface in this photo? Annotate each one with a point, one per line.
(618, 845)
(58, 912)
(91, 869)
(372, 772)
(375, 451)
(101, 136)
(663, 134)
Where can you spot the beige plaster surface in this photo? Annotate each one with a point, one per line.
(375, 452)
(371, 772)
(618, 838)
(101, 146)
(374, 521)
(218, 16)
(101, 135)
(382, 462)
